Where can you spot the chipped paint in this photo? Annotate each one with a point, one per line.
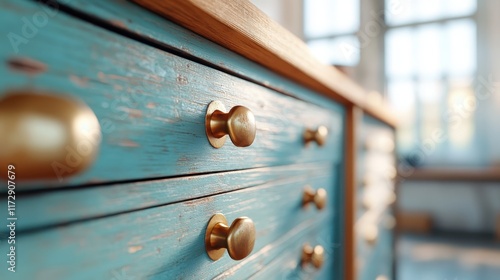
(79, 81)
(134, 113)
(151, 105)
(106, 77)
(200, 201)
(118, 23)
(26, 65)
(162, 235)
(155, 78)
(133, 249)
(181, 80)
(128, 143)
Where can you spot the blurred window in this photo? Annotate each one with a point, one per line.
(418, 11)
(430, 64)
(330, 28)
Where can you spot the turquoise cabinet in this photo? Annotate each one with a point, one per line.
(375, 200)
(141, 210)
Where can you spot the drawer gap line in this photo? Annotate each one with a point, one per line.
(83, 220)
(109, 183)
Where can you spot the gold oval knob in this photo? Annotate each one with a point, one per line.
(238, 239)
(371, 234)
(319, 135)
(238, 123)
(314, 256)
(317, 197)
(46, 136)
(390, 222)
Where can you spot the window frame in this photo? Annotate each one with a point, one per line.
(307, 39)
(444, 79)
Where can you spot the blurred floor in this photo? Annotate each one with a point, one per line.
(445, 257)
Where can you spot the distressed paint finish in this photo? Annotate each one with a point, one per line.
(59, 207)
(164, 34)
(117, 14)
(165, 242)
(151, 104)
(287, 265)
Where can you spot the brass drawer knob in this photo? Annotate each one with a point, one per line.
(317, 197)
(370, 234)
(238, 239)
(380, 141)
(238, 123)
(319, 135)
(390, 222)
(46, 136)
(314, 256)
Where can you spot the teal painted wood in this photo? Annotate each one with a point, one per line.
(339, 225)
(287, 265)
(378, 259)
(165, 242)
(285, 248)
(130, 17)
(151, 104)
(58, 207)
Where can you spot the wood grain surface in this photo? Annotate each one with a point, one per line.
(53, 208)
(288, 263)
(353, 120)
(141, 24)
(244, 29)
(151, 104)
(167, 241)
(457, 174)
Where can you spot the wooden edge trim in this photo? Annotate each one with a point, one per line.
(353, 119)
(441, 174)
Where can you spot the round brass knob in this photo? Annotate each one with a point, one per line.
(238, 239)
(390, 222)
(380, 141)
(371, 234)
(317, 197)
(314, 256)
(238, 123)
(319, 135)
(46, 136)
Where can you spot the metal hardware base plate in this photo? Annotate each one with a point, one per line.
(212, 253)
(214, 141)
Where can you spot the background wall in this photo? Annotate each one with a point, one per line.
(470, 206)
(489, 70)
(454, 206)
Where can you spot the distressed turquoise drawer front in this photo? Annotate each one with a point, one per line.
(281, 259)
(167, 242)
(128, 18)
(151, 104)
(39, 210)
(288, 264)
